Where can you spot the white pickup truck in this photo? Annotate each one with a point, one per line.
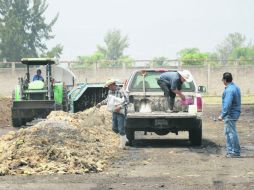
(147, 107)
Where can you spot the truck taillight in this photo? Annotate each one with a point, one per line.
(199, 104)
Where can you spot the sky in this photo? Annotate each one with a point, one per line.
(154, 27)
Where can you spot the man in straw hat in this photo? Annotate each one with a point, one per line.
(171, 84)
(117, 101)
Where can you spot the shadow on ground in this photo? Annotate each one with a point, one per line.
(170, 143)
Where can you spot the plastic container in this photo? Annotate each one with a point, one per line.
(192, 109)
(187, 101)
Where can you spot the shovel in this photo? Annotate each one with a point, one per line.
(145, 103)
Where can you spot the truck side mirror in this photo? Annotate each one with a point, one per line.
(202, 89)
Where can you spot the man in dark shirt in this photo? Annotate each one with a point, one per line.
(38, 76)
(171, 84)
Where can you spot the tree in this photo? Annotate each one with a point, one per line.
(159, 62)
(23, 28)
(243, 55)
(55, 52)
(88, 61)
(192, 56)
(229, 44)
(213, 58)
(100, 59)
(115, 44)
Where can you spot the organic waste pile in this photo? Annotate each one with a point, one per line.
(5, 112)
(63, 143)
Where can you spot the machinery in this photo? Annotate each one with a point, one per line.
(87, 95)
(36, 99)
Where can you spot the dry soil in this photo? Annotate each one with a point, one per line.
(164, 162)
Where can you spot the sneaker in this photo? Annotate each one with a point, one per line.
(232, 156)
(169, 111)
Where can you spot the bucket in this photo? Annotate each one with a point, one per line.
(192, 109)
(187, 101)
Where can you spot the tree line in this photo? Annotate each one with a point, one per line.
(24, 33)
(234, 49)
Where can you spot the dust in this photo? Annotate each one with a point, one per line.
(64, 143)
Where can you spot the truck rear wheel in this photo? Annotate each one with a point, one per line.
(195, 134)
(130, 134)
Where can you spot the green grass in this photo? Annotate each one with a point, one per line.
(217, 99)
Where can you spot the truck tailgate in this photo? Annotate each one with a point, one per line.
(161, 115)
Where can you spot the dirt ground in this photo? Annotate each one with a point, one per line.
(163, 162)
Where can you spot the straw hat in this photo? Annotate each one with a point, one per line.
(109, 82)
(186, 75)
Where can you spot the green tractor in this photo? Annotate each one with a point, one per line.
(36, 99)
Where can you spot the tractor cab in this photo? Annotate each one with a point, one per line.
(37, 98)
(37, 89)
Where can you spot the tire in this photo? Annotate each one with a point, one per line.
(17, 122)
(195, 135)
(130, 134)
(13, 95)
(23, 121)
(65, 103)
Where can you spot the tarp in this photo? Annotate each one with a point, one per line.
(62, 73)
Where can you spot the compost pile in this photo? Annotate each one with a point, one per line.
(64, 143)
(5, 112)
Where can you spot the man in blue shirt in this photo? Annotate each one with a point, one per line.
(171, 84)
(38, 76)
(230, 112)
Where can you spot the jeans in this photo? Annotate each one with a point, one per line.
(170, 96)
(166, 89)
(118, 123)
(232, 141)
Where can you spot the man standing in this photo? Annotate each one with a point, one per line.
(230, 112)
(117, 101)
(171, 84)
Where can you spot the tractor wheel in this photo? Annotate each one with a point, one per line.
(65, 102)
(13, 95)
(17, 122)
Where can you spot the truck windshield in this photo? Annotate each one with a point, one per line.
(151, 85)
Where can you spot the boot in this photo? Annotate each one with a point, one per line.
(123, 141)
(170, 104)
